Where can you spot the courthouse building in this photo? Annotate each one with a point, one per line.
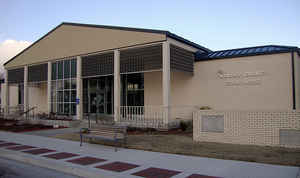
(149, 74)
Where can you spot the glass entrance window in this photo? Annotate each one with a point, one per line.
(63, 87)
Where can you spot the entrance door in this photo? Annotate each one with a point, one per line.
(100, 95)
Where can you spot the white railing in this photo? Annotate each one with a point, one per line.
(143, 116)
(155, 116)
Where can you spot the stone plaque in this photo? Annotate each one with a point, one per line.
(289, 137)
(212, 123)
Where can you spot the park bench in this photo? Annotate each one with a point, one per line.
(106, 133)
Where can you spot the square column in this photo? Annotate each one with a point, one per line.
(166, 80)
(6, 93)
(49, 87)
(79, 95)
(26, 106)
(117, 91)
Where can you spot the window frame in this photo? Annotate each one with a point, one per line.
(58, 106)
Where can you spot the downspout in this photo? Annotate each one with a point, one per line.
(293, 80)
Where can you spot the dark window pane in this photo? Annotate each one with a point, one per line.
(67, 108)
(53, 86)
(85, 83)
(67, 84)
(60, 85)
(73, 96)
(60, 69)
(67, 69)
(93, 85)
(67, 96)
(60, 108)
(73, 109)
(53, 75)
(101, 83)
(73, 84)
(109, 108)
(73, 68)
(85, 108)
(133, 90)
(60, 96)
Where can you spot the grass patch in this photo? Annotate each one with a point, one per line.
(183, 144)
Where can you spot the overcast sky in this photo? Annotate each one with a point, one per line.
(215, 24)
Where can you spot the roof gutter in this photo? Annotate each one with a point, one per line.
(183, 40)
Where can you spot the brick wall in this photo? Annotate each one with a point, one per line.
(273, 128)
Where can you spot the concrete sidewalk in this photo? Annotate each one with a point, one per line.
(128, 162)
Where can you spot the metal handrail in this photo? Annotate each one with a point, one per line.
(26, 112)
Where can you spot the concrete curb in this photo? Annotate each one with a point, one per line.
(76, 171)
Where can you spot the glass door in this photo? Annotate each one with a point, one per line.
(100, 95)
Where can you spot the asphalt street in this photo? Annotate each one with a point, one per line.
(14, 169)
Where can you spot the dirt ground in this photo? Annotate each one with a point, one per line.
(183, 144)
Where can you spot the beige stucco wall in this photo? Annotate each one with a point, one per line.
(297, 79)
(153, 88)
(13, 98)
(2, 85)
(38, 97)
(13, 95)
(70, 40)
(205, 88)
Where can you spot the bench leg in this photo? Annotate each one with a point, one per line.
(125, 143)
(116, 146)
(80, 139)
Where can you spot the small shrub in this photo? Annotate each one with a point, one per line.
(183, 125)
(190, 125)
(205, 108)
(84, 130)
(186, 125)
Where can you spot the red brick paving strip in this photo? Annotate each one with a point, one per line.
(62, 155)
(39, 151)
(21, 147)
(86, 160)
(117, 166)
(156, 173)
(200, 176)
(8, 144)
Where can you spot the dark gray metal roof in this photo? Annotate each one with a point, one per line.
(250, 51)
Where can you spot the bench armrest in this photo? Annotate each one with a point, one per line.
(84, 130)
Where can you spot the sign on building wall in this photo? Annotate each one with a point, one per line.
(241, 78)
(212, 123)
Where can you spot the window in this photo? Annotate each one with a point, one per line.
(73, 68)
(63, 88)
(60, 70)
(132, 93)
(67, 68)
(54, 71)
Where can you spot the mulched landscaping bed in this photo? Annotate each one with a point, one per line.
(141, 131)
(13, 126)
